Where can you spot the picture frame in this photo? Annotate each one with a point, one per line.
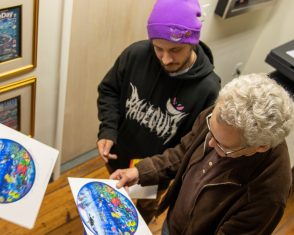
(10, 112)
(17, 104)
(229, 8)
(18, 36)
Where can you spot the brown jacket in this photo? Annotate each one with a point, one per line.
(248, 198)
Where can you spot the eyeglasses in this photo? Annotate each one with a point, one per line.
(226, 151)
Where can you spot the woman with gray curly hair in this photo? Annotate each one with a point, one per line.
(261, 109)
(232, 172)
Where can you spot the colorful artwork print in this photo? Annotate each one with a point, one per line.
(17, 171)
(10, 43)
(104, 210)
(9, 113)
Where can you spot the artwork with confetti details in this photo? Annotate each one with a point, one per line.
(104, 209)
(17, 171)
(26, 166)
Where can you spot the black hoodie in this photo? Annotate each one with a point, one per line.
(144, 110)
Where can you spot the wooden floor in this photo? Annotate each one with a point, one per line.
(58, 214)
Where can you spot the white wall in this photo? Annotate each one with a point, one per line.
(48, 74)
(278, 30)
(47, 71)
(232, 39)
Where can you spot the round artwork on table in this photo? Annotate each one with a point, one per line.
(104, 210)
(17, 171)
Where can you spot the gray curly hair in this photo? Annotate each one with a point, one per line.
(259, 107)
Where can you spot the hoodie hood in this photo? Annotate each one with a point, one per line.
(201, 68)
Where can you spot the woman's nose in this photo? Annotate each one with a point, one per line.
(212, 143)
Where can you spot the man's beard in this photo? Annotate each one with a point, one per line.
(185, 65)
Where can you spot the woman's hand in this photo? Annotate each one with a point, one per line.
(126, 177)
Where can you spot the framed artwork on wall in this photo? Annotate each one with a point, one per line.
(10, 113)
(17, 105)
(229, 8)
(18, 36)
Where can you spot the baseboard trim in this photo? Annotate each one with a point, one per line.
(79, 160)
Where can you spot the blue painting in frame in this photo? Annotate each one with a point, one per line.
(10, 33)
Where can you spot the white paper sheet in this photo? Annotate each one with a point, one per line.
(138, 192)
(291, 53)
(24, 210)
(104, 208)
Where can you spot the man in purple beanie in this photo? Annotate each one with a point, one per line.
(152, 95)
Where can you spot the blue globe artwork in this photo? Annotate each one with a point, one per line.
(104, 210)
(17, 171)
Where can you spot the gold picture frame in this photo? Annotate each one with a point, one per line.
(25, 92)
(18, 36)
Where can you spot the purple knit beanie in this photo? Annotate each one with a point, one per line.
(175, 21)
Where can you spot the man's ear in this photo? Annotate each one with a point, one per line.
(263, 148)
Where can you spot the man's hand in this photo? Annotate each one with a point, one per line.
(126, 177)
(104, 147)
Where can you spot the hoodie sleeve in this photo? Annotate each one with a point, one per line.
(108, 102)
(113, 90)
